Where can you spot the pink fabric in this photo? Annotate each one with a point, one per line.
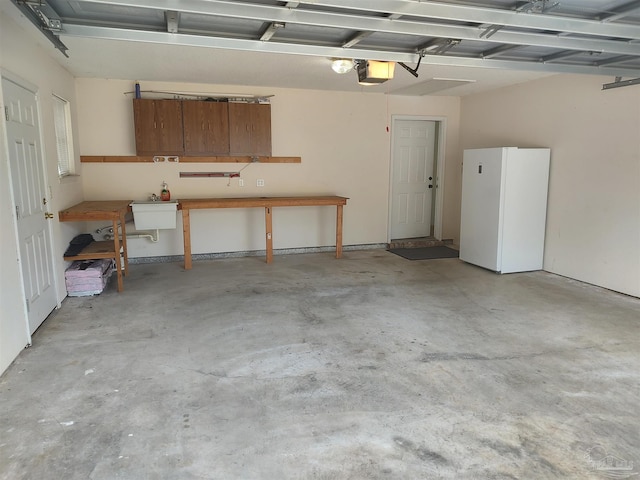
(89, 281)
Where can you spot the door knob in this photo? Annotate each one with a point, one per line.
(48, 215)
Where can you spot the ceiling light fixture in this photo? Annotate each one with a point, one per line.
(342, 65)
(373, 72)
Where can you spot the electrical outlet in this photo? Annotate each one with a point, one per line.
(260, 183)
(240, 182)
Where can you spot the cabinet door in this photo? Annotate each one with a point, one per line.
(158, 127)
(250, 129)
(261, 129)
(206, 127)
(144, 121)
(239, 128)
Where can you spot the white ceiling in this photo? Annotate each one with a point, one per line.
(105, 45)
(176, 63)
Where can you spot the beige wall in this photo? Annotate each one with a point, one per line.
(341, 137)
(24, 61)
(593, 219)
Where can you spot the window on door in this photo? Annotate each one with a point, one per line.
(64, 140)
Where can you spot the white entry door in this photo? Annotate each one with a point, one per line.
(413, 178)
(30, 199)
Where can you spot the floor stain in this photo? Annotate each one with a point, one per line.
(422, 453)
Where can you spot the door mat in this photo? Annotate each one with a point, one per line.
(425, 253)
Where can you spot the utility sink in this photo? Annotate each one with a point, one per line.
(154, 215)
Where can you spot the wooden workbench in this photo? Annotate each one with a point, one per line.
(268, 203)
(108, 210)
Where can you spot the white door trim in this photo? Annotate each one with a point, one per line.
(439, 180)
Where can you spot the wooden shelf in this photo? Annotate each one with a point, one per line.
(187, 159)
(113, 210)
(96, 250)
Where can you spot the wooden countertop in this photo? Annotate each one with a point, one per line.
(240, 202)
(95, 210)
(111, 209)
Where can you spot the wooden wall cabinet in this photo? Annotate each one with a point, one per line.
(249, 129)
(206, 127)
(201, 128)
(158, 127)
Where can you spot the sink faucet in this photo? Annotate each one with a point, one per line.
(153, 197)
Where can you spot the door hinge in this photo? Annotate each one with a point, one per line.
(27, 301)
(6, 113)
(17, 212)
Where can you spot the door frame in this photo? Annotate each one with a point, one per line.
(440, 170)
(34, 89)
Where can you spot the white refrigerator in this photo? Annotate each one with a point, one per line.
(504, 208)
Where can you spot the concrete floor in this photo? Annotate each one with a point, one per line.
(369, 367)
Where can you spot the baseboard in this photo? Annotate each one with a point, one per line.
(254, 253)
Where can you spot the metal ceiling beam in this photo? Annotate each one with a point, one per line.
(271, 30)
(621, 83)
(315, 50)
(438, 46)
(499, 50)
(614, 60)
(490, 16)
(394, 8)
(559, 56)
(38, 22)
(173, 19)
(109, 33)
(621, 12)
(375, 24)
(537, 6)
(357, 38)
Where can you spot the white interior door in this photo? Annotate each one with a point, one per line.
(413, 178)
(30, 198)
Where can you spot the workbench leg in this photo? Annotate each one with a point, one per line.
(339, 231)
(116, 243)
(123, 220)
(269, 228)
(186, 233)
